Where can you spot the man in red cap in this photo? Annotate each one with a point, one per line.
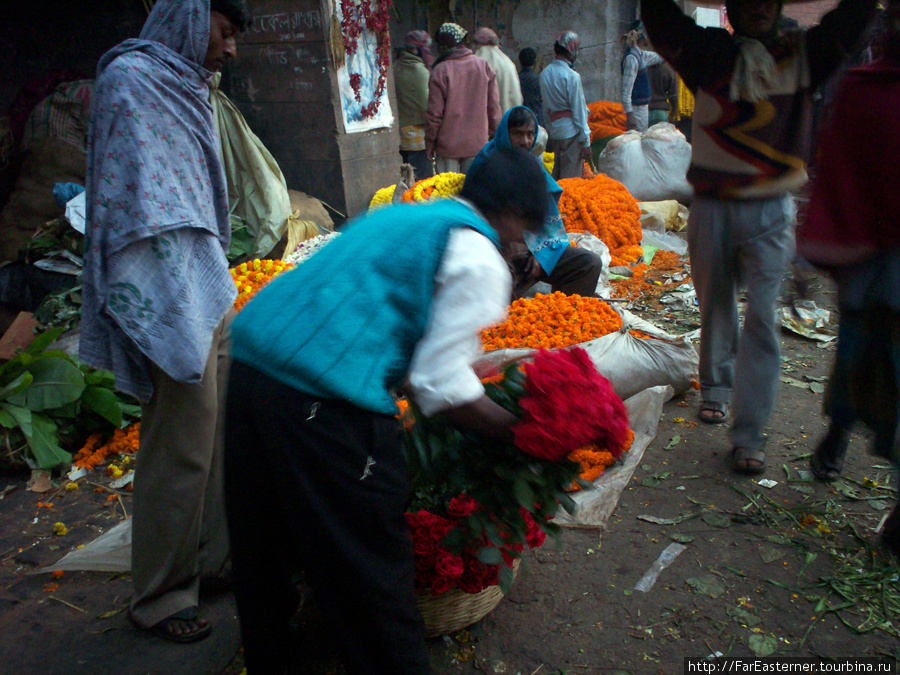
(411, 82)
(565, 111)
(463, 103)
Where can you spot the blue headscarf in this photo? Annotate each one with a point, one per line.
(548, 244)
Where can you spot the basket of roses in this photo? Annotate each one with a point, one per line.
(478, 503)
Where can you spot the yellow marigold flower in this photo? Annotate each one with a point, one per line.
(114, 471)
(254, 277)
(383, 197)
(549, 160)
(59, 529)
(443, 185)
(71, 487)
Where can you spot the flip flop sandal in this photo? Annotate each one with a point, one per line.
(712, 407)
(189, 614)
(741, 459)
(827, 461)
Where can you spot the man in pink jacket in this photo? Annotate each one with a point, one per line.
(463, 103)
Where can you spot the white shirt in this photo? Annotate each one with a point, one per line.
(472, 289)
(560, 91)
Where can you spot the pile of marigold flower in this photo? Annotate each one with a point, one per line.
(95, 452)
(552, 321)
(606, 118)
(441, 186)
(595, 460)
(603, 207)
(383, 197)
(250, 277)
(649, 280)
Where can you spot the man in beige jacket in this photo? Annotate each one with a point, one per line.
(507, 77)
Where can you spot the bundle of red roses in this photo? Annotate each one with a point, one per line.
(478, 502)
(567, 401)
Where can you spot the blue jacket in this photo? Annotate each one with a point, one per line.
(548, 244)
(344, 324)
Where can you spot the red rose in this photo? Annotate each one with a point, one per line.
(440, 585)
(449, 565)
(568, 405)
(462, 506)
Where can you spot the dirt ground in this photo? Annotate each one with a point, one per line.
(790, 570)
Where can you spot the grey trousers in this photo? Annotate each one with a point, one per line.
(179, 533)
(452, 165)
(736, 244)
(567, 162)
(642, 118)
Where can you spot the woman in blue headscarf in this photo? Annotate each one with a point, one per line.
(549, 257)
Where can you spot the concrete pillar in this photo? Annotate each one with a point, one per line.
(285, 83)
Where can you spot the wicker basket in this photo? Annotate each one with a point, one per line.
(455, 610)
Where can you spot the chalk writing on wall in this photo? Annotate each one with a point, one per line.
(288, 25)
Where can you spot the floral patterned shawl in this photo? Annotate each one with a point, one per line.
(156, 281)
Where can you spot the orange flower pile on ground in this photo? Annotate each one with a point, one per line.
(594, 460)
(552, 321)
(250, 277)
(96, 452)
(606, 118)
(649, 279)
(603, 207)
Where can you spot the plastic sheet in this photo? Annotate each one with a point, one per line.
(110, 552)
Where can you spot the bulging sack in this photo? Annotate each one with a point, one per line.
(630, 363)
(652, 166)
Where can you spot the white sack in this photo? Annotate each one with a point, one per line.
(652, 166)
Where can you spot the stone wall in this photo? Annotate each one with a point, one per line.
(535, 24)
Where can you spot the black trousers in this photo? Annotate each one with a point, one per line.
(319, 485)
(576, 273)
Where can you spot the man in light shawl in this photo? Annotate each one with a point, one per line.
(750, 143)
(549, 257)
(507, 76)
(157, 291)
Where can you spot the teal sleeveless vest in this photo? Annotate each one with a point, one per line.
(344, 324)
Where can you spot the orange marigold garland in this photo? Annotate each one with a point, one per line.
(603, 207)
(552, 321)
(250, 277)
(606, 118)
(95, 452)
(595, 460)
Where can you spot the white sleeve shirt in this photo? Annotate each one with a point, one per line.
(472, 290)
(561, 91)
